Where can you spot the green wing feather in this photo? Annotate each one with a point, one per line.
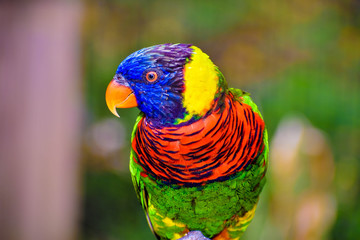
(135, 170)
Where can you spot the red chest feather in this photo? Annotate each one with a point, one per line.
(209, 149)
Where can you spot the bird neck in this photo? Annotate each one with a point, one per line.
(184, 117)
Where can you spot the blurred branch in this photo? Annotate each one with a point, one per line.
(39, 124)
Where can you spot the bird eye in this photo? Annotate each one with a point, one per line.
(151, 76)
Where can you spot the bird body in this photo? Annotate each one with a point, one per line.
(199, 150)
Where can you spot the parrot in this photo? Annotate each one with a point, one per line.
(199, 150)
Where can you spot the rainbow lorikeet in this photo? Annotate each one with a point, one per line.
(199, 149)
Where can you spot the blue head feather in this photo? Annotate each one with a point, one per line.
(161, 100)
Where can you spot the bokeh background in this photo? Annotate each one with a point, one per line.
(64, 156)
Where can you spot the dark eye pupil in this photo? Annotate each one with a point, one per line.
(151, 76)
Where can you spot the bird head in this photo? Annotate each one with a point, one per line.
(169, 83)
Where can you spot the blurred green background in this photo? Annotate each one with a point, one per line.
(299, 59)
(301, 62)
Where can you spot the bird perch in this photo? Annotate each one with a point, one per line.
(194, 235)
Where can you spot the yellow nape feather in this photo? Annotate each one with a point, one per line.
(200, 83)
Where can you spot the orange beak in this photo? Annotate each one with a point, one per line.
(119, 95)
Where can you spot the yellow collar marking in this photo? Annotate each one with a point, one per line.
(201, 83)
